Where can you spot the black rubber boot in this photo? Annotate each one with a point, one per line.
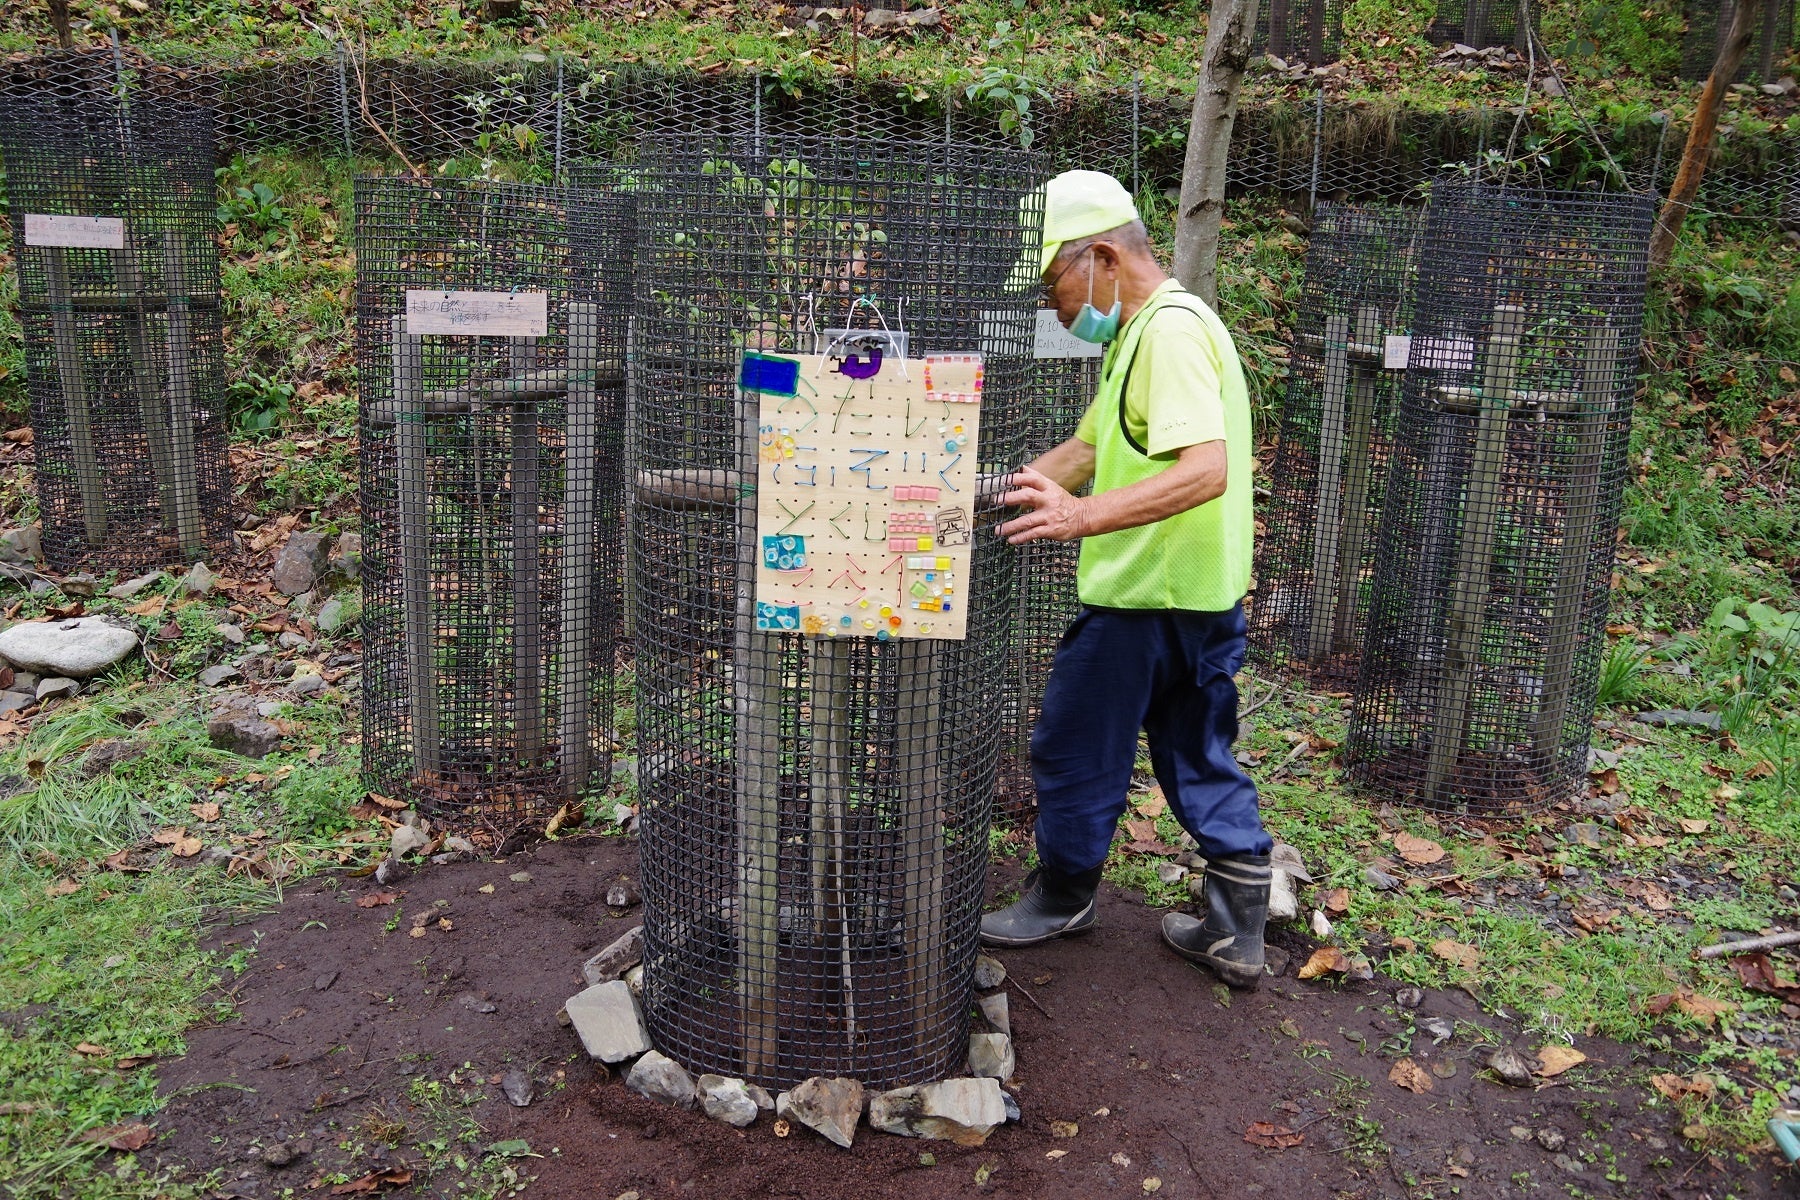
(1228, 935)
(1054, 905)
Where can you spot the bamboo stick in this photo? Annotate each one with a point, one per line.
(756, 684)
(1360, 448)
(184, 464)
(1468, 601)
(144, 376)
(527, 640)
(1328, 500)
(71, 373)
(1581, 508)
(111, 302)
(629, 417)
(528, 389)
(696, 487)
(919, 665)
(414, 530)
(575, 687)
(828, 801)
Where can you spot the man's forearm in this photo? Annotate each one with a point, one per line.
(1070, 464)
(1196, 478)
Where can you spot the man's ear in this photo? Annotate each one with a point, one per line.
(1106, 257)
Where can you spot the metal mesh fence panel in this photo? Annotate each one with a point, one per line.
(1308, 31)
(1059, 392)
(1338, 417)
(113, 218)
(490, 344)
(1487, 620)
(814, 810)
(1771, 38)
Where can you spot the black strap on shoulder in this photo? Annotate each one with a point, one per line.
(1124, 428)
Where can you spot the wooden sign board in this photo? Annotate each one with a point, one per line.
(865, 498)
(480, 314)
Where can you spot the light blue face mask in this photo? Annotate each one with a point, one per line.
(1090, 324)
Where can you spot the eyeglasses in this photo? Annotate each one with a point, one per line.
(1050, 285)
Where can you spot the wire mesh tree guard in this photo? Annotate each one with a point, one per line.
(1317, 554)
(491, 326)
(814, 810)
(1479, 23)
(1487, 621)
(113, 219)
(1771, 38)
(1059, 392)
(1308, 31)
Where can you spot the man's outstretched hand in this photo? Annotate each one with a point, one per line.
(1055, 516)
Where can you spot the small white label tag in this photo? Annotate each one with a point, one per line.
(1053, 341)
(75, 233)
(1453, 353)
(478, 314)
(1395, 350)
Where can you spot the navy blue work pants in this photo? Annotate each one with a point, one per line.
(1164, 672)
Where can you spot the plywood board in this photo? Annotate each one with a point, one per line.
(865, 498)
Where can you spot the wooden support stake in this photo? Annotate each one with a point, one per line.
(1329, 499)
(414, 484)
(145, 377)
(1581, 502)
(1469, 597)
(71, 373)
(829, 803)
(184, 464)
(627, 551)
(756, 695)
(919, 664)
(575, 687)
(1360, 448)
(527, 640)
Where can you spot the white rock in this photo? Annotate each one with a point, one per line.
(1284, 857)
(131, 587)
(1321, 927)
(963, 1111)
(56, 688)
(725, 1099)
(611, 963)
(611, 1028)
(989, 973)
(634, 979)
(829, 1107)
(1171, 872)
(406, 839)
(655, 1077)
(1284, 905)
(78, 648)
(990, 1056)
(764, 1101)
(997, 1012)
(198, 581)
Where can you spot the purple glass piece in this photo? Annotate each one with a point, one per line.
(857, 367)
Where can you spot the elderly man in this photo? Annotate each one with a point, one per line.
(1165, 562)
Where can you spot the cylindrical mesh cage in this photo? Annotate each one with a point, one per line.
(1772, 34)
(1316, 557)
(490, 344)
(1059, 391)
(1478, 23)
(113, 216)
(1308, 31)
(1487, 620)
(814, 810)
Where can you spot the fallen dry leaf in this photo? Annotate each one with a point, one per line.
(1758, 974)
(1465, 956)
(1675, 1087)
(1657, 900)
(1418, 850)
(1762, 770)
(1152, 805)
(91, 1050)
(1554, 1059)
(1703, 1009)
(373, 1182)
(1144, 839)
(1337, 901)
(1271, 1136)
(1694, 825)
(1054, 1154)
(1604, 783)
(131, 1062)
(1064, 1129)
(416, 931)
(1324, 960)
(120, 1137)
(1410, 1075)
(377, 899)
(62, 887)
(149, 608)
(204, 811)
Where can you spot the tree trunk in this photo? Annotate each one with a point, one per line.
(1228, 31)
(1704, 133)
(59, 21)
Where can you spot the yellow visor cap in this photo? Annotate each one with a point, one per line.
(1076, 204)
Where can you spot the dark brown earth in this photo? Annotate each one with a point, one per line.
(349, 1031)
